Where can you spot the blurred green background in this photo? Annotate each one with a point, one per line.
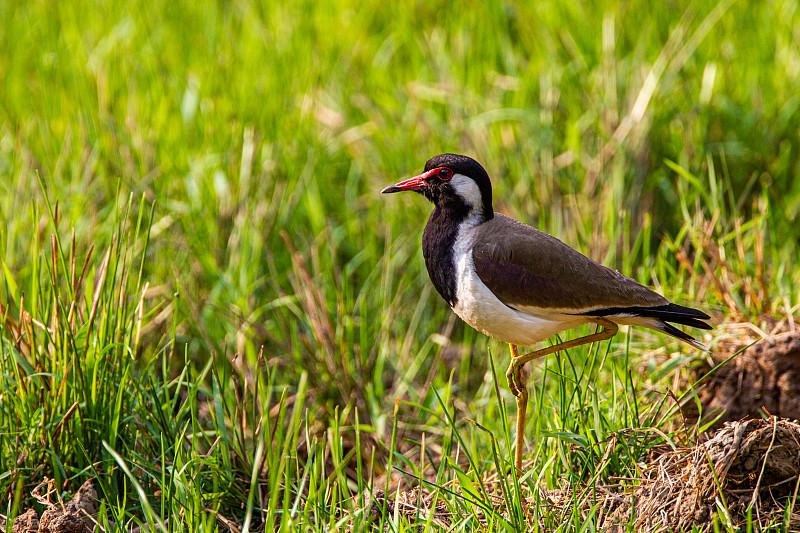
(244, 119)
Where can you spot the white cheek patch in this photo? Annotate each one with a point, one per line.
(467, 189)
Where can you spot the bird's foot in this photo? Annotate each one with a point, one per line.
(516, 378)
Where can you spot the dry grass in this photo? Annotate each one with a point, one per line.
(746, 468)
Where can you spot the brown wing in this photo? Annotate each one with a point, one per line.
(526, 267)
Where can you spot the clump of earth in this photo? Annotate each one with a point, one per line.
(74, 516)
(762, 380)
(751, 465)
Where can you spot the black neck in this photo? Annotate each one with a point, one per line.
(437, 247)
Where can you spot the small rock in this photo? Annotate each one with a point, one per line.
(26, 523)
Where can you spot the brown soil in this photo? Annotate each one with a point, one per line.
(74, 516)
(755, 464)
(749, 464)
(763, 379)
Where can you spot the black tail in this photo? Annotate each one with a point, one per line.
(662, 315)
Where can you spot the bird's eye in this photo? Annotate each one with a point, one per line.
(445, 174)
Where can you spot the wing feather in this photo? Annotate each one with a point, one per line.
(526, 267)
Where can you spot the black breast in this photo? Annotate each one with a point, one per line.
(437, 248)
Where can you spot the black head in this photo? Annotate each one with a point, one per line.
(452, 181)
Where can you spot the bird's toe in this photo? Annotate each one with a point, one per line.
(516, 379)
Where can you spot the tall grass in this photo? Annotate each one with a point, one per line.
(207, 307)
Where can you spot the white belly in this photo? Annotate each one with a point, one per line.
(481, 309)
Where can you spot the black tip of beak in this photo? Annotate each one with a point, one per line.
(391, 189)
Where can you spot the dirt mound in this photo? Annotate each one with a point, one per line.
(763, 378)
(74, 516)
(753, 465)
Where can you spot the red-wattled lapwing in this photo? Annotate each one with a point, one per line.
(520, 285)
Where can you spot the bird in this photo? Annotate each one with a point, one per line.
(520, 285)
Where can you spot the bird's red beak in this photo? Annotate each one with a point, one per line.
(411, 184)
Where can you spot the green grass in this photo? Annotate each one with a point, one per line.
(254, 336)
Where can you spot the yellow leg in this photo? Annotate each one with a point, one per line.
(522, 406)
(516, 381)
